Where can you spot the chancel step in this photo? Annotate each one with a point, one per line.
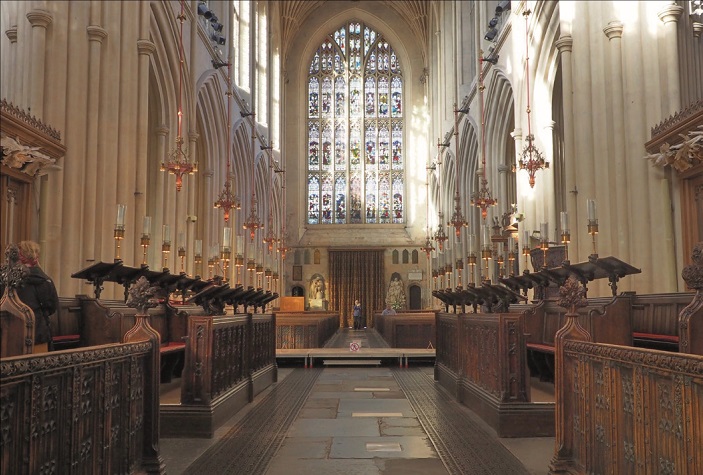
(350, 362)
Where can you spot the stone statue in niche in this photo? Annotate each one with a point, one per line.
(396, 292)
(316, 292)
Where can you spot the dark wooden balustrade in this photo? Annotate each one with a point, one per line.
(628, 410)
(228, 361)
(407, 330)
(481, 359)
(78, 411)
(299, 330)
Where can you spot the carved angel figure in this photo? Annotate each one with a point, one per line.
(142, 295)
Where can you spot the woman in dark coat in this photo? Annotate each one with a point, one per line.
(38, 292)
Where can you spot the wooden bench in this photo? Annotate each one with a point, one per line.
(407, 330)
(305, 329)
(66, 324)
(655, 319)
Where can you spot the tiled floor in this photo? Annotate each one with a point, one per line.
(357, 420)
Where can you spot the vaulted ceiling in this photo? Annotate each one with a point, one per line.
(294, 13)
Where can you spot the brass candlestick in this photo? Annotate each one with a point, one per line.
(182, 255)
(500, 260)
(593, 230)
(198, 260)
(238, 264)
(251, 267)
(210, 266)
(511, 262)
(544, 245)
(119, 236)
(146, 240)
(526, 253)
(472, 264)
(459, 269)
(259, 275)
(165, 250)
(487, 255)
(448, 273)
(225, 255)
(268, 275)
(565, 240)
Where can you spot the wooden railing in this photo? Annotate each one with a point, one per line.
(628, 410)
(407, 330)
(305, 329)
(79, 411)
(228, 360)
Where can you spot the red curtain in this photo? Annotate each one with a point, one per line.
(356, 274)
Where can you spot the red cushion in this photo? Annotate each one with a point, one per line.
(65, 338)
(171, 346)
(656, 336)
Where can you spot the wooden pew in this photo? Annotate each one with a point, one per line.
(16, 326)
(655, 319)
(67, 324)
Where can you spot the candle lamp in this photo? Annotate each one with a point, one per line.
(544, 242)
(251, 267)
(259, 275)
(210, 266)
(592, 224)
(198, 257)
(434, 278)
(165, 245)
(268, 275)
(565, 235)
(119, 229)
(500, 260)
(275, 280)
(471, 259)
(238, 264)
(145, 241)
(459, 268)
(225, 255)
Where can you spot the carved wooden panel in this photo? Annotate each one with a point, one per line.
(447, 353)
(15, 207)
(76, 411)
(629, 410)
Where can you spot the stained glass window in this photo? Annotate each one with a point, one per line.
(355, 130)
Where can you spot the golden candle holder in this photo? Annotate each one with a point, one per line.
(259, 275)
(471, 259)
(198, 261)
(593, 230)
(182, 255)
(512, 255)
(238, 264)
(441, 279)
(275, 280)
(487, 255)
(225, 255)
(434, 278)
(448, 273)
(145, 241)
(119, 236)
(500, 260)
(251, 267)
(165, 250)
(268, 275)
(459, 268)
(210, 267)
(526, 254)
(565, 240)
(544, 245)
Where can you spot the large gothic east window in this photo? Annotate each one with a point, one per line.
(356, 161)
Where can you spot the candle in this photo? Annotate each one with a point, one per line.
(181, 240)
(215, 251)
(526, 238)
(472, 243)
(198, 247)
(240, 243)
(486, 235)
(226, 237)
(120, 214)
(564, 221)
(544, 231)
(166, 233)
(591, 205)
(146, 227)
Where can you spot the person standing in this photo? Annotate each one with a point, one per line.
(356, 313)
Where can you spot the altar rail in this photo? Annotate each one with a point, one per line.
(407, 329)
(302, 330)
(628, 410)
(481, 360)
(76, 411)
(228, 361)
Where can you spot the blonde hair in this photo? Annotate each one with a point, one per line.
(29, 252)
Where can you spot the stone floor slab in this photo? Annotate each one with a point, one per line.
(300, 448)
(348, 406)
(281, 466)
(318, 413)
(355, 447)
(334, 427)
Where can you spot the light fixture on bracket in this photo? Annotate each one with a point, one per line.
(227, 201)
(482, 198)
(458, 220)
(531, 158)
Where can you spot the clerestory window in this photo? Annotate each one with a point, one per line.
(356, 162)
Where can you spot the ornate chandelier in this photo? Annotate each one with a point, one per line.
(458, 221)
(252, 223)
(482, 198)
(227, 201)
(428, 247)
(531, 159)
(177, 162)
(439, 235)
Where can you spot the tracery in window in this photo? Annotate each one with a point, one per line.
(355, 160)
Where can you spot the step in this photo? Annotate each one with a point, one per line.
(350, 362)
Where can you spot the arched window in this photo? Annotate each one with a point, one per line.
(406, 256)
(356, 153)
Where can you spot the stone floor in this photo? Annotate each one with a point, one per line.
(358, 420)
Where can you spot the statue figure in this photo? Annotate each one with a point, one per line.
(317, 289)
(396, 293)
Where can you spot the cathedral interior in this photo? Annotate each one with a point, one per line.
(491, 169)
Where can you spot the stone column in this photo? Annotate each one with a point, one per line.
(92, 230)
(503, 201)
(159, 211)
(145, 49)
(40, 20)
(191, 223)
(614, 33)
(564, 44)
(9, 79)
(669, 15)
